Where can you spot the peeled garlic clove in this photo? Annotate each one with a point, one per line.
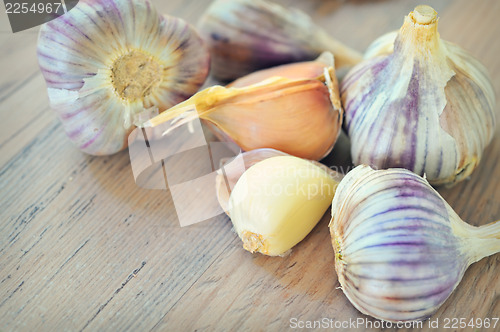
(106, 61)
(278, 201)
(231, 170)
(400, 249)
(248, 35)
(299, 116)
(427, 105)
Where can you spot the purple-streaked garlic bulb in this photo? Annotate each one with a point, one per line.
(248, 35)
(420, 103)
(400, 249)
(106, 61)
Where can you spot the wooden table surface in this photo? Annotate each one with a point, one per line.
(82, 247)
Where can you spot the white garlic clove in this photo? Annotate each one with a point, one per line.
(104, 62)
(249, 35)
(400, 249)
(423, 104)
(278, 201)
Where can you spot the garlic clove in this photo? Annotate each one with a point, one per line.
(106, 61)
(278, 201)
(299, 116)
(230, 172)
(400, 249)
(423, 104)
(248, 35)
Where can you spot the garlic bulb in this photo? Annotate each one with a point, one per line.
(400, 249)
(106, 61)
(248, 35)
(423, 104)
(293, 108)
(278, 201)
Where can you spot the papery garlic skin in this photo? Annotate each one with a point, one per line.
(106, 61)
(400, 249)
(425, 105)
(383, 45)
(293, 108)
(249, 35)
(278, 201)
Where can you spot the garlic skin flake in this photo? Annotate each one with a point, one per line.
(423, 104)
(278, 201)
(400, 249)
(106, 61)
(293, 108)
(249, 35)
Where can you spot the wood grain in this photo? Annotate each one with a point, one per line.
(82, 247)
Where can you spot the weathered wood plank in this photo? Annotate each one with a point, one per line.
(83, 248)
(86, 248)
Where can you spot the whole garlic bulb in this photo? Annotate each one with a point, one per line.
(106, 61)
(278, 201)
(400, 249)
(423, 104)
(249, 35)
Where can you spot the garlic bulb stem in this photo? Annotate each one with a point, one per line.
(480, 242)
(424, 15)
(344, 56)
(419, 36)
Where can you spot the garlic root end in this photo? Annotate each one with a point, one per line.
(254, 242)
